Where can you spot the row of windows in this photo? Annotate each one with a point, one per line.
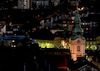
(88, 28)
(91, 43)
(90, 38)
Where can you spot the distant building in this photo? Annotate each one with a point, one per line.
(2, 27)
(90, 30)
(55, 2)
(98, 42)
(24, 4)
(46, 3)
(73, 3)
(41, 2)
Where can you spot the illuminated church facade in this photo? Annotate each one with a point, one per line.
(77, 41)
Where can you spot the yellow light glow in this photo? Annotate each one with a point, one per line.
(80, 9)
(87, 46)
(13, 40)
(72, 18)
(63, 42)
(14, 45)
(93, 47)
(46, 45)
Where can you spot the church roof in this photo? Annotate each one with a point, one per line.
(77, 25)
(77, 28)
(73, 37)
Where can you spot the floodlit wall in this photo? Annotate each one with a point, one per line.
(64, 44)
(52, 44)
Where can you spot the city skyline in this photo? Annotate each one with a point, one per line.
(49, 35)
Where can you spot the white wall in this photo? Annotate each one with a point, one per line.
(54, 31)
(74, 50)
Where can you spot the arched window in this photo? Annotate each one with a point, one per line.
(78, 48)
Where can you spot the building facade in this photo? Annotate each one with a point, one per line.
(77, 41)
(41, 2)
(24, 4)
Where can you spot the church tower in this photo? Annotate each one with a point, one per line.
(77, 41)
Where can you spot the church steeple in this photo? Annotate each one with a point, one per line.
(76, 29)
(77, 41)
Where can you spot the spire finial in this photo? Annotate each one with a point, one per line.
(77, 17)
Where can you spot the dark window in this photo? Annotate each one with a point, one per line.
(78, 48)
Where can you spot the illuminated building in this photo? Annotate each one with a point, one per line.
(77, 41)
(24, 4)
(90, 30)
(41, 3)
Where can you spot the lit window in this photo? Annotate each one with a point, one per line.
(64, 21)
(90, 38)
(72, 21)
(87, 28)
(83, 23)
(72, 18)
(14, 45)
(13, 40)
(91, 43)
(65, 25)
